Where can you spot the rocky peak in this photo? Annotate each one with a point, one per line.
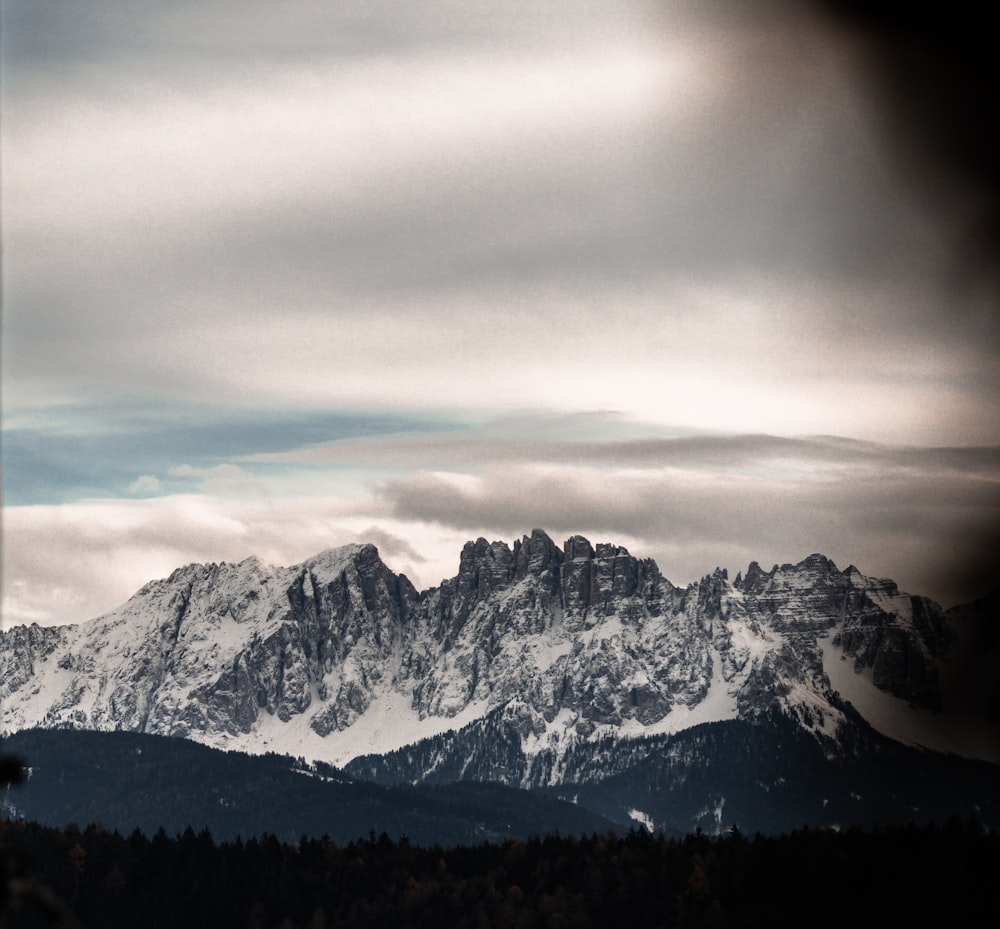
(584, 636)
(537, 555)
(577, 547)
(484, 567)
(755, 579)
(605, 577)
(818, 563)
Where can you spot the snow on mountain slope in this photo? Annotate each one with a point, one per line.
(339, 657)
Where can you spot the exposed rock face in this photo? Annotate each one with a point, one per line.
(900, 638)
(568, 644)
(558, 629)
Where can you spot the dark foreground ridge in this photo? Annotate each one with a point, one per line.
(768, 775)
(902, 876)
(129, 780)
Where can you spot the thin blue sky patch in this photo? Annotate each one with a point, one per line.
(91, 452)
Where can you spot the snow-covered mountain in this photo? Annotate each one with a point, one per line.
(339, 657)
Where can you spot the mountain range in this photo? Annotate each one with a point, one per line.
(803, 693)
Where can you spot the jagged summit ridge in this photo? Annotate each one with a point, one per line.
(340, 656)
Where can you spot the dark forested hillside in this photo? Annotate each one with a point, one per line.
(771, 776)
(127, 780)
(767, 774)
(904, 876)
(565, 874)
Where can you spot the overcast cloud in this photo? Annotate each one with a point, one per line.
(280, 275)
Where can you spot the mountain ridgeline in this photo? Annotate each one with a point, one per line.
(579, 670)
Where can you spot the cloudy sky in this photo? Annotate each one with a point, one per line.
(278, 277)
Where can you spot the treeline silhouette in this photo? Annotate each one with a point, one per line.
(901, 875)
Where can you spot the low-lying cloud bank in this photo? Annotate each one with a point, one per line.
(928, 518)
